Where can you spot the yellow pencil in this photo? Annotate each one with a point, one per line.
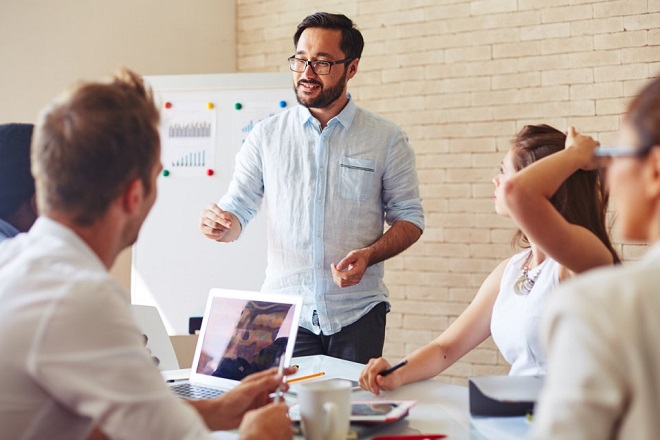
(309, 376)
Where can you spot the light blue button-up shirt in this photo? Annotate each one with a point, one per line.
(325, 193)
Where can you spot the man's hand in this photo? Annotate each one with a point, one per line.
(253, 392)
(217, 224)
(350, 270)
(269, 422)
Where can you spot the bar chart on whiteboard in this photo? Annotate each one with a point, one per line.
(188, 137)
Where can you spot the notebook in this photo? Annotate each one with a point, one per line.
(242, 333)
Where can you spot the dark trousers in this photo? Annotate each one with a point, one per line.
(357, 342)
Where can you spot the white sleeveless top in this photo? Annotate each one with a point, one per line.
(516, 318)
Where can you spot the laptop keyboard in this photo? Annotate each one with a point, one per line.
(195, 392)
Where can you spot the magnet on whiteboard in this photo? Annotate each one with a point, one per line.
(168, 104)
(238, 106)
(210, 172)
(282, 104)
(210, 106)
(166, 173)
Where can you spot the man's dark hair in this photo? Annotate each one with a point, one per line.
(352, 42)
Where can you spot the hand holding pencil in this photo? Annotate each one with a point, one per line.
(378, 375)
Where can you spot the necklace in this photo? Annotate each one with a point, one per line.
(524, 282)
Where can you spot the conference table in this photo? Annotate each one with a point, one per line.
(441, 408)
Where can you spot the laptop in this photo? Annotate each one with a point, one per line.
(242, 333)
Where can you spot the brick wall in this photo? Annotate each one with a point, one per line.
(461, 77)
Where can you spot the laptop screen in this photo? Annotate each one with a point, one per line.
(245, 332)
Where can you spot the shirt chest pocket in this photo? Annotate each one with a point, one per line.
(357, 177)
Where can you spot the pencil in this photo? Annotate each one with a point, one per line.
(394, 368)
(309, 376)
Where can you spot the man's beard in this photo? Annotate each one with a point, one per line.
(326, 97)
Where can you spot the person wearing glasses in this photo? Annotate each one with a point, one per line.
(329, 174)
(548, 186)
(601, 330)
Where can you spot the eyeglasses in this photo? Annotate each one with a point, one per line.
(318, 67)
(620, 152)
(604, 155)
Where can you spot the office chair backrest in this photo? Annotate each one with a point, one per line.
(156, 338)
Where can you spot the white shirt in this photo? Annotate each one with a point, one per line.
(325, 193)
(602, 335)
(72, 356)
(516, 318)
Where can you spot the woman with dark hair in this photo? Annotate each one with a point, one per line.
(548, 187)
(601, 330)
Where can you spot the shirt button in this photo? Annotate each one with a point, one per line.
(321, 169)
(318, 266)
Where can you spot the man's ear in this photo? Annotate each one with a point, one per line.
(652, 173)
(133, 195)
(353, 68)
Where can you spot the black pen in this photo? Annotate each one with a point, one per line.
(391, 370)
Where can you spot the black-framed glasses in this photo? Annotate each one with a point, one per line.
(318, 67)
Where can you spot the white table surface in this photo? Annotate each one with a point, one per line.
(441, 408)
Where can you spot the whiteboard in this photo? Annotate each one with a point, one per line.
(204, 119)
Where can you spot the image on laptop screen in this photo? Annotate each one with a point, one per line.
(243, 336)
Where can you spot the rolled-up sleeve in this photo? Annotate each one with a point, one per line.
(401, 185)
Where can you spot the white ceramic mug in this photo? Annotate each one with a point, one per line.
(325, 408)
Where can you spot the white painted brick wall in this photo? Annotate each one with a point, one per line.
(461, 77)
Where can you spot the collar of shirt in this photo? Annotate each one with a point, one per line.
(345, 117)
(46, 227)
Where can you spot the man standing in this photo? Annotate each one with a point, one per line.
(17, 203)
(73, 357)
(329, 174)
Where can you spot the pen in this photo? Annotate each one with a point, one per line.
(278, 390)
(309, 376)
(391, 370)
